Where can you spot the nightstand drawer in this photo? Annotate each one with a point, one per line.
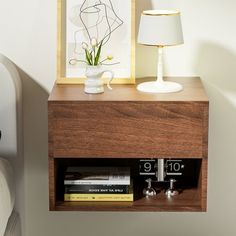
(127, 129)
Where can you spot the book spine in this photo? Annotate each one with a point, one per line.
(117, 189)
(95, 182)
(99, 197)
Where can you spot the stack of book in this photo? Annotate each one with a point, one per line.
(98, 184)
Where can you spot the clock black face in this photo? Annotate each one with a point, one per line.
(147, 167)
(173, 168)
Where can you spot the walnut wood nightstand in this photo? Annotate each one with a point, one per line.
(122, 126)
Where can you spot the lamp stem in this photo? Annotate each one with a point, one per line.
(160, 65)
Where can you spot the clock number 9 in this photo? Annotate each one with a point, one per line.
(147, 167)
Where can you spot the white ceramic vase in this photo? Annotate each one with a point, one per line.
(93, 82)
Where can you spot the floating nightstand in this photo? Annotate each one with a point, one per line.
(122, 127)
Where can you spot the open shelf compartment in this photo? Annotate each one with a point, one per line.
(191, 186)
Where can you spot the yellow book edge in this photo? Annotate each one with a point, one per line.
(85, 197)
(98, 198)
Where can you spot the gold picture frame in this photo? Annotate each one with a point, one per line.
(62, 62)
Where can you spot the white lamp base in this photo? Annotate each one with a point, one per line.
(159, 87)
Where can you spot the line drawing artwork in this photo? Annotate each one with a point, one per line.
(105, 14)
(103, 20)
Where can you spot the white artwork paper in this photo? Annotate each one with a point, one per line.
(108, 19)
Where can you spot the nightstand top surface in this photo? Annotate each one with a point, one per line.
(193, 91)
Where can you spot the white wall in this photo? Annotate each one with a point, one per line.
(28, 37)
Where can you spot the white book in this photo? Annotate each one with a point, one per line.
(97, 175)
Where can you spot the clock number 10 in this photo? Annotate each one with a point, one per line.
(174, 166)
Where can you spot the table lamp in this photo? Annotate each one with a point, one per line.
(160, 28)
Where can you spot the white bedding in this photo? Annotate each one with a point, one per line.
(13, 225)
(7, 193)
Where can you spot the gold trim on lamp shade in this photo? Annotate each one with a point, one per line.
(166, 45)
(148, 13)
(61, 78)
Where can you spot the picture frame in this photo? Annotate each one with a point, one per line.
(71, 35)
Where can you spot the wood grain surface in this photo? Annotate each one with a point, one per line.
(188, 200)
(126, 129)
(124, 123)
(193, 91)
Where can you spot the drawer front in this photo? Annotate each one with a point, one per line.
(128, 129)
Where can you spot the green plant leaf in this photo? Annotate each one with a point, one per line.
(97, 57)
(92, 58)
(88, 57)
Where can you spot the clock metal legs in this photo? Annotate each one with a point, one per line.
(160, 177)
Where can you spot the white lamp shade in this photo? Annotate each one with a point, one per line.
(160, 28)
